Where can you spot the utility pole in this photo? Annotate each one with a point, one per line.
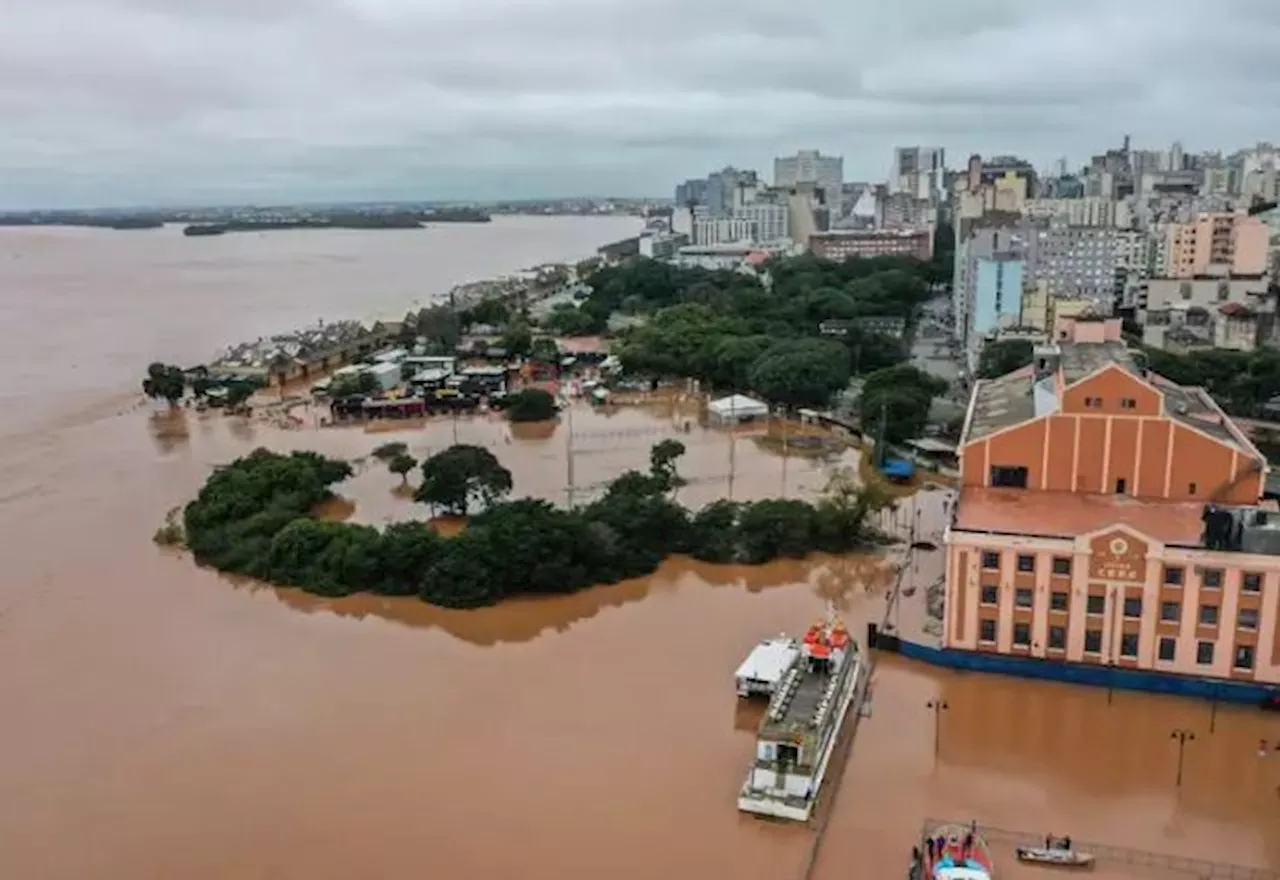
(733, 442)
(568, 449)
(784, 456)
(937, 707)
(884, 420)
(1183, 737)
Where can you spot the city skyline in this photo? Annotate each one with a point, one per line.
(116, 102)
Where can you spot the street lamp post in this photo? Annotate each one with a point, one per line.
(1213, 707)
(1183, 737)
(937, 707)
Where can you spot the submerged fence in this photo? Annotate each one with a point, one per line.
(1163, 863)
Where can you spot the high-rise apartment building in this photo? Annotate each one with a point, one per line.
(918, 171)
(1216, 244)
(995, 260)
(1085, 261)
(1110, 518)
(823, 173)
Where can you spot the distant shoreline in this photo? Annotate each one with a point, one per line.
(399, 220)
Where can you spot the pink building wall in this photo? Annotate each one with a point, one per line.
(1190, 246)
(965, 608)
(1251, 246)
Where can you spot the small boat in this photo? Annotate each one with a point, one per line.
(1056, 856)
(959, 853)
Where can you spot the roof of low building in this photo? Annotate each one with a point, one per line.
(1068, 514)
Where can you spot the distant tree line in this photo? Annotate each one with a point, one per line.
(169, 383)
(255, 517)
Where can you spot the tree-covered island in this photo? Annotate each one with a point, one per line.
(255, 517)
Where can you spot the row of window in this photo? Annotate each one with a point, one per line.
(1166, 648)
(1174, 575)
(1170, 612)
(1096, 403)
(1026, 563)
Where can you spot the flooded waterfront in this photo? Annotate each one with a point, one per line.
(162, 721)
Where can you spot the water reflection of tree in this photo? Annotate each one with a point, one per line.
(843, 580)
(169, 429)
(242, 428)
(524, 619)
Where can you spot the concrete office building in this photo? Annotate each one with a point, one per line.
(824, 173)
(918, 171)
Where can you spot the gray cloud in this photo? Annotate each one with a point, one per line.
(178, 100)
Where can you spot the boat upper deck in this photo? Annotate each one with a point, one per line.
(806, 699)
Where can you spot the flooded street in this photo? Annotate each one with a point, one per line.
(163, 721)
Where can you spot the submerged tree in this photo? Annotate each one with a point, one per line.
(460, 476)
(401, 463)
(531, 405)
(164, 382)
(388, 451)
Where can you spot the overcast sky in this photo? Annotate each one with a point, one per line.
(166, 101)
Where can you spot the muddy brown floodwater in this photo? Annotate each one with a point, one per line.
(162, 721)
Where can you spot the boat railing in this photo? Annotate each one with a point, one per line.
(1105, 852)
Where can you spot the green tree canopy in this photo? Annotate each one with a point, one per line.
(461, 476)
(544, 350)
(352, 384)
(1003, 357)
(388, 451)
(164, 382)
(719, 327)
(440, 326)
(531, 405)
(401, 464)
(899, 397)
(801, 372)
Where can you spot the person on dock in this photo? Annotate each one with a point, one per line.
(929, 846)
(968, 845)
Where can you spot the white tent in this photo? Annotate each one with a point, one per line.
(736, 408)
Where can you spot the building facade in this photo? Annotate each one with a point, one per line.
(1217, 244)
(709, 230)
(825, 173)
(918, 172)
(1083, 261)
(841, 244)
(978, 282)
(1110, 517)
(770, 220)
(1092, 211)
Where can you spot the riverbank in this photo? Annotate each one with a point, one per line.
(349, 221)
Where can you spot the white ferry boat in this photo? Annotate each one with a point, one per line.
(803, 721)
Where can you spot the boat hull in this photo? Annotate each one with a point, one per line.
(955, 861)
(1054, 858)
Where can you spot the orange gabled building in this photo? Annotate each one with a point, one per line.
(1108, 516)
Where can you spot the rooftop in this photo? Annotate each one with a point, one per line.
(1068, 514)
(1009, 400)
